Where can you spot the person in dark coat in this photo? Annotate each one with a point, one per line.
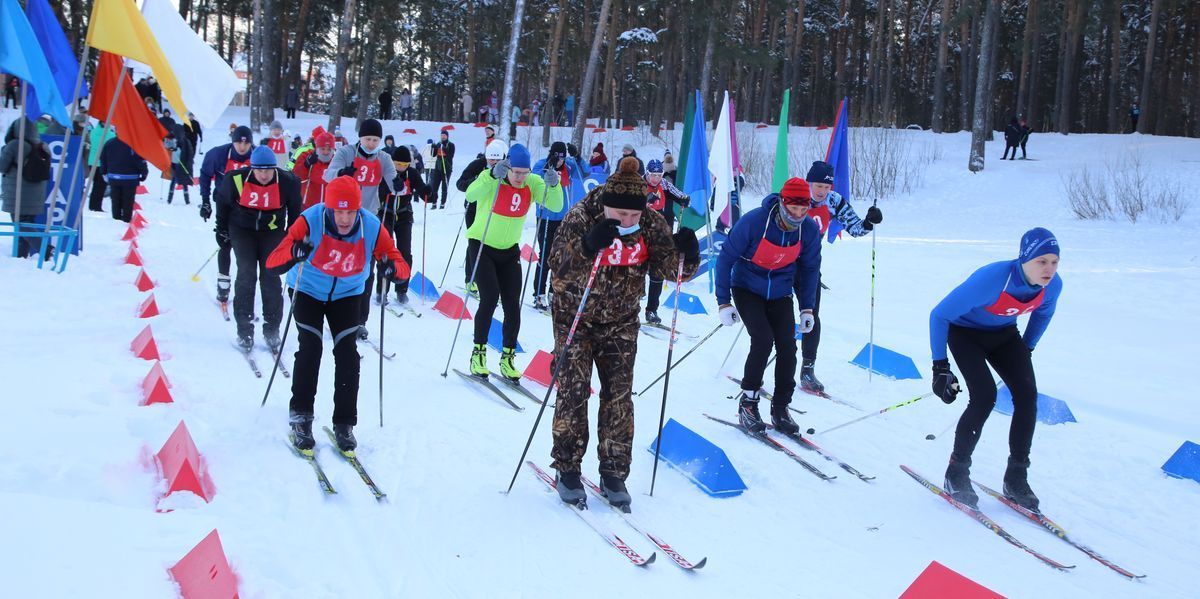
(1025, 130)
(123, 169)
(443, 167)
(1012, 138)
(291, 101)
(385, 104)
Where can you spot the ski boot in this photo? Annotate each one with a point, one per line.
(343, 434)
(402, 297)
(570, 489)
(1016, 485)
(539, 303)
(362, 332)
(473, 289)
(273, 341)
(245, 342)
(781, 419)
(479, 360)
(377, 298)
(170, 195)
(507, 369)
(186, 200)
(223, 285)
(748, 414)
(808, 379)
(613, 489)
(652, 316)
(301, 434)
(958, 482)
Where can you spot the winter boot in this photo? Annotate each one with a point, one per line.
(402, 297)
(343, 434)
(479, 360)
(748, 414)
(781, 419)
(272, 340)
(223, 288)
(539, 303)
(186, 200)
(613, 489)
(362, 332)
(170, 194)
(246, 342)
(301, 434)
(958, 482)
(509, 370)
(808, 379)
(652, 317)
(377, 298)
(473, 289)
(570, 489)
(1016, 484)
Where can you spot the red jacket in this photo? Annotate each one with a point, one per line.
(311, 173)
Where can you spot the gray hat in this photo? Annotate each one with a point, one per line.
(276, 125)
(627, 148)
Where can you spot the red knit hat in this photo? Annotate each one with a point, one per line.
(323, 140)
(795, 192)
(343, 194)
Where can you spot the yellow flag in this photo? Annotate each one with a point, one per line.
(116, 26)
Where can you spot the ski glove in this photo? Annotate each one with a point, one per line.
(729, 315)
(686, 243)
(347, 172)
(500, 171)
(601, 235)
(301, 249)
(874, 217)
(205, 209)
(945, 384)
(391, 270)
(550, 177)
(222, 237)
(807, 321)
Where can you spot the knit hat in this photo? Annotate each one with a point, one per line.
(628, 148)
(323, 140)
(276, 125)
(572, 150)
(262, 157)
(429, 141)
(490, 128)
(820, 172)
(795, 192)
(343, 194)
(446, 133)
(241, 133)
(599, 148)
(654, 166)
(370, 127)
(1037, 242)
(317, 131)
(625, 189)
(518, 156)
(559, 147)
(401, 154)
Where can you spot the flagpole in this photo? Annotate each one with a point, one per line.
(112, 107)
(58, 170)
(16, 216)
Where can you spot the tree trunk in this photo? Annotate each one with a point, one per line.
(1148, 70)
(706, 66)
(939, 74)
(1114, 65)
(560, 22)
(254, 67)
(1076, 17)
(368, 67)
(343, 58)
(983, 72)
(299, 35)
(510, 68)
(966, 55)
(583, 101)
(887, 118)
(1035, 72)
(269, 61)
(1026, 57)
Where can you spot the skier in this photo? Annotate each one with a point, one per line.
(1012, 138)
(396, 213)
(310, 169)
(771, 252)
(443, 166)
(659, 190)
(827, 204)
(978, 321)
(218, 161)
(180, 151)
(277, 142)
(254, 207)
(329, 241)
(503, 196)
(1025, 131)
(123, 169)
(633, 243)
(495, 152)
(571, 178)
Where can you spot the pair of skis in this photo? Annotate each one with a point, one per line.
(611, 537)
(350, 457)
(486, 383)
(249, 356)
(773, 443)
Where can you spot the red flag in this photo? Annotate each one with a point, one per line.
(136, 126)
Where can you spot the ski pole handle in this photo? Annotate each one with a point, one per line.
(874, 414)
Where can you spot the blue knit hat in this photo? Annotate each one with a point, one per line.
(518, 156)
(820, 172)
(262, 157)
(1037, 242)
(654, 166)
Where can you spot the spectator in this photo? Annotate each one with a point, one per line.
(1025, 129)
(11, 91)
(598, 157)
(669, 166)
(467, 105)
(99, 185)
(385, 104)
(406, 100)
(1135, 112)
(570, 108)
(124, 170)
(33, 193)
(291, 101)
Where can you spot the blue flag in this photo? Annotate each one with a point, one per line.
(20, 55)
(63, 64)
(697, 183)
(838, 156)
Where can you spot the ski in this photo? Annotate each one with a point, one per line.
(581, 510)
(310, 456)
(539, 310)
(773, 443)
(808, 444)
(489, 385)
(983, 519)
(825, 395)
(224, 308)
(520, 389)
(661, 544)
(352, 459)
(1056, 530)
(651, 332)
(763, 393)
(249, 360)
(378, 350)
(287, 374)
(662, 327)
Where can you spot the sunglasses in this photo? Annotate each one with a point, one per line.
(797, 201)
(401, 165)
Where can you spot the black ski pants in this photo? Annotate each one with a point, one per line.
(499, 280)
(251, 249)
(1009, 146)
(400, 226)
(546, 231)
(439, 185)
(655, 286)
(310, 315)
(122, 197)
(812, 339)
(973, 351)
(96, 198)
(771, 324)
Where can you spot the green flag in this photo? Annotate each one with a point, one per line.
(688, 112)
(780, 175)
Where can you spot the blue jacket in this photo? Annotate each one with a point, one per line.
(120, 165)
(967, 305)
(213, 168)
(734, 268)
(575, 187)
(325, 287)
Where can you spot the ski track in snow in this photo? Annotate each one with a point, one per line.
(78, 487)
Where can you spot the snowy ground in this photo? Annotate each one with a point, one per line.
(79, 493)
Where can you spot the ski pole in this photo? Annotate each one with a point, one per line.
(558, 363)
(474, 270)
(424, 228)
(196, 275)
(287, 325)
(871, 350)
(730, 352)
(873, 414)
(694, 348)
(382, 319)
(453, 247)
(662, 412)
(541, 222)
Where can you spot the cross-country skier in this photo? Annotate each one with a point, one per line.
(978, 322)
(310, 169)
(218, 161)
(495, 151)
(660, 190)
(326, 254)
(771, 252)
(397, 213)
(570, 176)
(634, 243)
(503, 196)
(278, 144)
(255, 205)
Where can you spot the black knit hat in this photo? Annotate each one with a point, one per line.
(370, 127)
(401, 154)
(241, 133)
(559, 147)
(820, 172)
(625, 189)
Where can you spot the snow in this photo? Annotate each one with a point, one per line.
(640, 35)
(79, 489)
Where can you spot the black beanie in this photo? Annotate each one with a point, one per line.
(370, 127)
(559, 147)
(401, 154)
(241, 133)
(820, 172)
(625, 189)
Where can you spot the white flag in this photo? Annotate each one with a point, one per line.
(208, 82)
(720, 157)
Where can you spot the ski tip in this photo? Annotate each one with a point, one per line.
(700, 564)
(650, 560)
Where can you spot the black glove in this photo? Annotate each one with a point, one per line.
(347, 171)
(686, 243)
(874, 217)
(222, 237)
(601, 235)
(301, 249)
(387, 269)
(945, 384)
(205, 209)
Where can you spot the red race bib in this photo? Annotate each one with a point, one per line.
(368, 173)
(512, 202)
(1007, 305)
(661, 201)
(278, 146)
(260, 197)
(619, 254)
(338, 258)
(233, 165)
(821, 215)
(773, 257)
